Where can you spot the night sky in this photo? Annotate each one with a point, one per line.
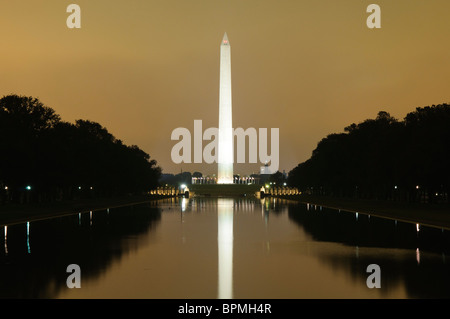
(143, 68)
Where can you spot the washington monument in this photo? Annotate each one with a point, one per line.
(225, 145)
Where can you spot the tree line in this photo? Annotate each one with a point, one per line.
(43, 158)
(383, 158)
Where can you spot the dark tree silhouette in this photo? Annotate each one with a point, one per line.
(277, 178)
(197, 174)
(59, 160)
(383, 158)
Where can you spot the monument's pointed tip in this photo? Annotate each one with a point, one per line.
(225, 39)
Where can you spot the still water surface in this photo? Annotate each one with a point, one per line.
(223, 248)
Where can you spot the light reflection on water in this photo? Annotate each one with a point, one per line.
(223, 248)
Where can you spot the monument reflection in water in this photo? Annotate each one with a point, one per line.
(225, 209)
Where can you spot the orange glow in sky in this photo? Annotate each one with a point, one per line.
(143, 68)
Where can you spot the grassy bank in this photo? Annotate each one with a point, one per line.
(15, 213)
(435, 215)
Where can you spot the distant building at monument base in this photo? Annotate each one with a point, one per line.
(237, 179)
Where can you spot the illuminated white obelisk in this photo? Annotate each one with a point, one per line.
(225, 145)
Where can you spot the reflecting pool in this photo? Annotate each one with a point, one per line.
(223, 248)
